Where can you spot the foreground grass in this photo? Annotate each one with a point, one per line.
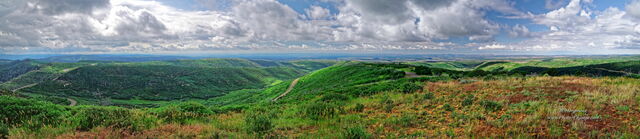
(509, 107)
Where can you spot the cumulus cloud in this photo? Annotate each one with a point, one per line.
(151, 26)
(317, 12)
(633, 8)
(575, 28)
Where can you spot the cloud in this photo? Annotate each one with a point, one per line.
(49, 7)
(519, 31)
(633, 8)
(579, 29)
(367, 25)
(554, 4)
(317, 12)
(492, 46)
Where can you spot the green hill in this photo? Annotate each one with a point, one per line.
(14, 69)
(118, 82)
(630, 68)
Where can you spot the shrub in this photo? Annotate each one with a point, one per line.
(447, 107)
(194, 107)
(359, 108)
(317, 110)
(356, 133)
(89, 117)
(387, 104)
(183, 113)
(428, 95)
(468, 100)
(491, 105)
(409, 87)
(6, 92)
(258, 123)
(4, 131)
(29, 113)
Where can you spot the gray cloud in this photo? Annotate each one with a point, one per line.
(54, 7)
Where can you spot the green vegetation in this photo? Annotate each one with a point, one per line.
(14, 69)
(234, 98)
(150, 84)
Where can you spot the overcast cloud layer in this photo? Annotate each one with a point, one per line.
(134, 26)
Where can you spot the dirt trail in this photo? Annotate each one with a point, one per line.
(626, 73)
(293, 84)
(411, 75)
(26, 86)
(73, 102)
(69, 69)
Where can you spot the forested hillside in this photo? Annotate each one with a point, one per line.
(115, 82)
(14, 69)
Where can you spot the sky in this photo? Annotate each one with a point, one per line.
(320, 26)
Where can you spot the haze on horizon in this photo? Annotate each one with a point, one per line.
(345, 26)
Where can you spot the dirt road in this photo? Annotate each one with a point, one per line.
(293, 84)
(73, 102)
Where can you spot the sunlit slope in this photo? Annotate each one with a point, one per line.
(548, 63)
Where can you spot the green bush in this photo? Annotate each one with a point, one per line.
(387, 104)
(183, 113)
(356, 133)
(359, 108)
(318, 110)
(447, 107)
(258, 123)
(4, 131)
(428, 95)
(409, 87)
(20, 112)
(194, 107)
(89, 117)
(491, 105)
(468, 100)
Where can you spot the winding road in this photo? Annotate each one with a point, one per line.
(293, 84)
(73, 102)
(26, 86)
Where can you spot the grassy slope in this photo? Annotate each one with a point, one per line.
(549, 63)
(339, 76)
(629, 68)
(452, 65)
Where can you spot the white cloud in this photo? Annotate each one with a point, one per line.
(150, 26)
(492, 46)
(317, 12)
(633, 8)
(519, 31)
(574, 28)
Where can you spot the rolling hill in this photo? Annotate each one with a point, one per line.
(91, 82)
(14, 69)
